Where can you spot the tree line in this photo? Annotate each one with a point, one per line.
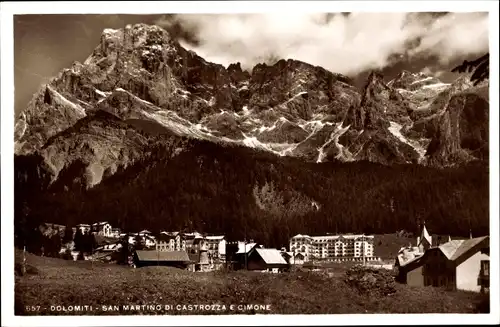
(244, 193)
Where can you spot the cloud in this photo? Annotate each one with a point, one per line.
(343, 43)
(454, 35)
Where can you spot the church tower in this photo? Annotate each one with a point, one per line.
(424, 241)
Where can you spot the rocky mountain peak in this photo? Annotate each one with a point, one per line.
(139, 73)
(374, 85)
(413, 81)
(376, 100)
(237, 74)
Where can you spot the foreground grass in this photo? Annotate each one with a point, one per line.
(55, 282)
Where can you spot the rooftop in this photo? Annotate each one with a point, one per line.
(215, 237)
(242, 248)
(100, 223)
(171, 256)
(271, 256)
(453, 250)
(334, 237)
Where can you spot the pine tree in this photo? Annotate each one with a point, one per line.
(79, 242)
(68, 235)
(56, 244)
(480, 68)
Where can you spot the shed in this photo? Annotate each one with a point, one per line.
(179, 259)
(266, 259)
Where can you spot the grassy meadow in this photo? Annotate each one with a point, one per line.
(56, 282)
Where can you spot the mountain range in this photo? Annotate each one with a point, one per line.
(140, 91)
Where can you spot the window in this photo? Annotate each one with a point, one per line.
(485, 267)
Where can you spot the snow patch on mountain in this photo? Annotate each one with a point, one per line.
(344, 153)
(321, 151)
(421, 80)
(59, 98)
(395, 130)
(178, 125)
(281, 149)
(21, 126)
(265, 128)
(147, 103)
(436, 85)
(101, 93)
(104, 95)
(313, 126)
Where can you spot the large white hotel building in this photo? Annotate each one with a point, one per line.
(333, 247)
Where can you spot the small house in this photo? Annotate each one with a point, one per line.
(266, 260)
(200, 260)
(102, 228)
(457, 264)
(84, 228)
(149, 241)
(297, 258)
(178, 259)
(53, 229)
(216, 245)
(115, 232)
(180, 242)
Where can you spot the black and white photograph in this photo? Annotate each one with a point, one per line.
(249, 160)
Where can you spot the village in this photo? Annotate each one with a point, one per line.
(456, 264)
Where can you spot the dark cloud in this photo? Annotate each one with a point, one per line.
(178, 30)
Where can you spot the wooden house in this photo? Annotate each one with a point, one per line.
(179, 259)
(457, 264)
(269, 260)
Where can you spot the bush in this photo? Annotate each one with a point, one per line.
(371, 281)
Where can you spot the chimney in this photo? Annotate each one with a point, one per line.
(418, 240)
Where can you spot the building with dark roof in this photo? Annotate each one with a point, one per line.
(179, 259)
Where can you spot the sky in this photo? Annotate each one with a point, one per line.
(349, 43)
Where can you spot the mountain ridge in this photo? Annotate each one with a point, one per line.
(290, 108)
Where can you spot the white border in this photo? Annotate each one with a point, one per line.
(7, 150)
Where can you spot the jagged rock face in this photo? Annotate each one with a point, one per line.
(462, 132)
(48, 113)
(375, 125)
(101, 143)
(300, 90)
(139, 74)
(379, 105)
(412, 82)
